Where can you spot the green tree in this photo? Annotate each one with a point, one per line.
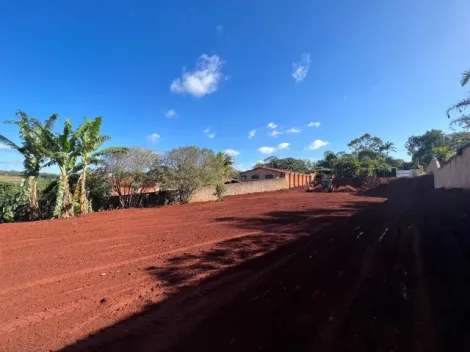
(327, 163)
(366, 142)
(89, 141)
(458, 140)
(291, 164)
(99, 189)
(187, 169)
(388, 147)
(367, 166)
(34, 157)
(223, 164)
(420, 148)
(131, 174)
(61, 149)
(346, 165)
(461, 106)
(443, 153)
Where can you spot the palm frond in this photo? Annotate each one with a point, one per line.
(6, 141)
(50, 121)
(462, 121)
(111, 150)
(465, 78)
(460, 106)
(77, 168)
(49, 163)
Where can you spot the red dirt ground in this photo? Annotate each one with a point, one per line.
(275, 271)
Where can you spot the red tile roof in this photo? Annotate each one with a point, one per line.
(269, 168)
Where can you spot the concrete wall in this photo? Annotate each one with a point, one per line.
(206, 194)
(455, 173)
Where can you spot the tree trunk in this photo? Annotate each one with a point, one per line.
(83, 198)
(63, 207)
(33, 198)
(67, 209)
(60, 196)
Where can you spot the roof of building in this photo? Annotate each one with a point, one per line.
(269, 168)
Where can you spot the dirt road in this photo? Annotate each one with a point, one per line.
(277, 271)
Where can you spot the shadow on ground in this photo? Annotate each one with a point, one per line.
(199, 284)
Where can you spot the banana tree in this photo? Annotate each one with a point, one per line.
(61, 149)
(224, 163)
(34, 158)
(89, 141)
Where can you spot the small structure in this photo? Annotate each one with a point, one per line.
(293, 179)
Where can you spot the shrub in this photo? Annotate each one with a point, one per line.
(13, 197)
(220, 191)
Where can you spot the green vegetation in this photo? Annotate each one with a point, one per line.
(187, 169)
(220, 191)
(435, 143)
(89, 142)
(368, 157)
(34, 160)
(292, 164)
(133, 173)
(40, 148)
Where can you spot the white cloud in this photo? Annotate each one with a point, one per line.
(252, 133)
(231, 152)
(316, 144)
(275, 133)
(272, 125)
(154, 137)
(294, 130)
(5, 147)
(240, 167)
(270, 150)
(203, 80)
(300, 69)
(208, 132)
(170, 114)
(314, 124)
(266, 150)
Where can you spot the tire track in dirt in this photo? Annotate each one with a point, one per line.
(45, 305)
(118, 264)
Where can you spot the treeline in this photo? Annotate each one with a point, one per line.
(88, 173)
(44, 175)
(368, 156)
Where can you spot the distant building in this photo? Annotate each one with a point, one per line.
(294, 179)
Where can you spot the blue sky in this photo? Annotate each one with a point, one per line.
(164, 74)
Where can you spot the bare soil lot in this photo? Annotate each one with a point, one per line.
(285, 270)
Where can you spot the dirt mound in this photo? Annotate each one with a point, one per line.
(346, 189)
